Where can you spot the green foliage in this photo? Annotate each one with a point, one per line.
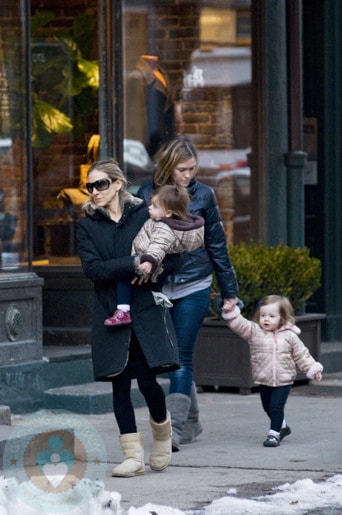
(262, 270)
(63, 80)
(47, 121)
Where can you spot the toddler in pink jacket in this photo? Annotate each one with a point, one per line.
(275, 351)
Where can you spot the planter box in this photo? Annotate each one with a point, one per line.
(221, 358)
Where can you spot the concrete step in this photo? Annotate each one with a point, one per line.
(92, 398)
(66, 365)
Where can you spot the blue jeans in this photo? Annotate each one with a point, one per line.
(187, 314)
(273, 401)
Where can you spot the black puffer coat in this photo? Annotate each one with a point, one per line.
(215, 256)
(104, 248)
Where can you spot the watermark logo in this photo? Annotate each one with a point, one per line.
(54, 461)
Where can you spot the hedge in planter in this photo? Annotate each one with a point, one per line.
(262, 270)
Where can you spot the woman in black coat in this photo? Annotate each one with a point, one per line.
(146, 347)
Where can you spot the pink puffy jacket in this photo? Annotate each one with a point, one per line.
(274, 356)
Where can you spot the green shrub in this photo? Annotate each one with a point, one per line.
(262, 270)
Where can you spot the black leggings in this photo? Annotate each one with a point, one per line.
(148, 385)
(273, 401)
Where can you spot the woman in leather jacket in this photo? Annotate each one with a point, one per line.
(189, 289)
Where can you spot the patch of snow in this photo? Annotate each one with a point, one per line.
(288, 499)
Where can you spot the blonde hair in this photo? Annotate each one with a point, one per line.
(173, 198)
(111, 168)
(285, 308)
(172, 153)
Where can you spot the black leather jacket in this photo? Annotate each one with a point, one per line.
(215, 255)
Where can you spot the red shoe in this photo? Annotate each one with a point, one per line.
(119, 318)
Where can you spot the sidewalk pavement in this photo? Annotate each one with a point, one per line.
(229, 452)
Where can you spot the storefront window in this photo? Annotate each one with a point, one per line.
(200, 58)
(13, 155)
(65, 86)
(187, 68)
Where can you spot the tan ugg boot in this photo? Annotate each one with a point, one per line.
(132, 445)
(162, 444)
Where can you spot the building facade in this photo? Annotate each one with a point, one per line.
(256, 84)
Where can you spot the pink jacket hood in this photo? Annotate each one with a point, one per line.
(289, 327)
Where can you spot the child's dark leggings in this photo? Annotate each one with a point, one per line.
(273, 401)
(148, 385)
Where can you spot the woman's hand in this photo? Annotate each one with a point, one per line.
(140, 280)
(318, 376)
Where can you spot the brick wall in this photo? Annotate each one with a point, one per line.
(206, 112)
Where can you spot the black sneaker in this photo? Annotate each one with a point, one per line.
(285, 431)
(271, 441)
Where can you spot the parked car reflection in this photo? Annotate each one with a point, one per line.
(138, 164)
(233, 192)
(5, 145)
(226, 171)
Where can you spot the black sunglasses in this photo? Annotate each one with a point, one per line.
(100, 185)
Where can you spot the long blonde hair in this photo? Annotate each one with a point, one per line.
(285, 308)
(172, 153)
(111, 168)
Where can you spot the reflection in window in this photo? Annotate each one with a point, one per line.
(13, 166)
(65, 84)
(187, 68)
